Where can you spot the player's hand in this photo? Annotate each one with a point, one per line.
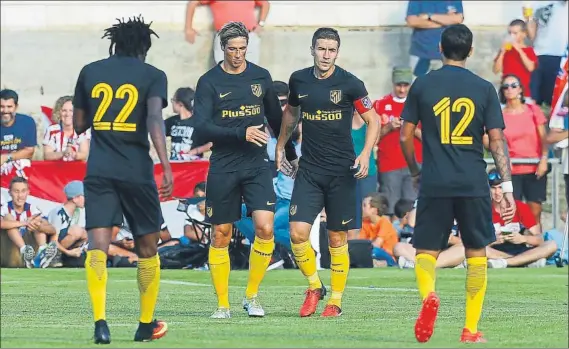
(507, 208)
(191, 35)
(541, 168)
(395, 123)
(362, 162)
(167, 183)
(256, 135)
(515, 238)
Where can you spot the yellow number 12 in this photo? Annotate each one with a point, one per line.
(106, 91)
(443, 109)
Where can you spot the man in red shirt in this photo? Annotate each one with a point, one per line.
(520, 242)
(394, 177)
(231, 11)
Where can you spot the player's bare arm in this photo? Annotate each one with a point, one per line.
(406, 139)
(499, 148)
(372, 137)
(291, 116)
(156, 129)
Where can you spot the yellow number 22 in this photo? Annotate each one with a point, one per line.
(105, 91)
(443, 109)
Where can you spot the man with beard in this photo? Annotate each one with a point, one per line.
(18, 132)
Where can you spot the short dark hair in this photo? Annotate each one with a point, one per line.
(18, 179)
(378, 201)
(232, 30)
(402, 207)
(131, 38)
(7, 94)
(501, 95)
(185, 95)
(199, 187)
(281, 88)
(326, 33)
(520, 23)
(456, 42)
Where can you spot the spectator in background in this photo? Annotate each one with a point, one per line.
(547, 28)
(519, 243)
(428, 19)
(377, 228)
(17, 135)
(514, 57)
(186, 144)
(367, 185)
(69, 221)
(60, 141)
(231, 11)
(20, 218)
(401, 212)
(525, 134)
(196, 211)
(559, 135)
(394, 177)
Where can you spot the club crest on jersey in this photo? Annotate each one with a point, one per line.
(209, 211)
(292, 210)
(257, 90)
(336, 96)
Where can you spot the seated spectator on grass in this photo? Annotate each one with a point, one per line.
(377, 228)
(401, 218)
(20, 218)
(515, 57)
(196, 212)
(450, 257)
(186, 144)
(519, 243)
(17, 135)
(60, 141)
(69, 222)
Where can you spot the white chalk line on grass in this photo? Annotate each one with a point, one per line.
(196, 284)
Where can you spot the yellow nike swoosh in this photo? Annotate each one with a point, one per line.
(222, 95)
(348, 221)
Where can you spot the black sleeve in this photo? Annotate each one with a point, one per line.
(168, 123)
(493, 117)
(80, 98)
(204, 109)
(159, 88)
(274, 115)
(411, 109)
(358, 89)
(293, 92)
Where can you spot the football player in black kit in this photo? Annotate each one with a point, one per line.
(325, 96)
(233, 99)
(455, 108)
(121, 98)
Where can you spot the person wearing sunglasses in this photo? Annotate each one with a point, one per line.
(525, 133)
(520, 242)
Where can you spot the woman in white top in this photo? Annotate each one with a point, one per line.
(60, 141)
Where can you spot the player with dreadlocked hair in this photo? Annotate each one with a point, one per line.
(121, 99)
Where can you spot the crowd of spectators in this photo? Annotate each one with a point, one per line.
(528, 61)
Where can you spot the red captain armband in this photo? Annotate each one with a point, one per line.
(363, 105)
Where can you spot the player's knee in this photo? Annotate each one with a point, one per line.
(298, 236)
(146, 251)
(337, 239)
(221, 235)
(264, 231)
(77, 232)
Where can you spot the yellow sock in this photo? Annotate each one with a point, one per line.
(476, 281)
(148, 277)
(340, 266)
(425, 272)
(96, 272)
(259, 260)
(306, 260)
(220, 267)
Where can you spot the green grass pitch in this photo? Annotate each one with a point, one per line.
(51, 308)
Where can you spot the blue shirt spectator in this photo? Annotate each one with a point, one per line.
(428, 20)
(18, 132)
